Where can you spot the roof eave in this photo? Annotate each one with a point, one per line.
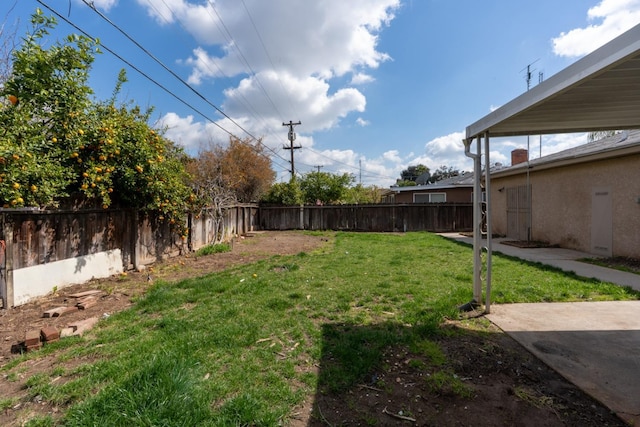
(496, 124)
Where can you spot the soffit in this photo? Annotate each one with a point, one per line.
(601, 91)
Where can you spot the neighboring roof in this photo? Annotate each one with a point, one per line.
(461, 181)
(621, 144)
(601, 91)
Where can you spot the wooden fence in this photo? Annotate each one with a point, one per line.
(41, 250)
(435, 217)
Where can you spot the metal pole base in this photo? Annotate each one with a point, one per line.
(470, 306)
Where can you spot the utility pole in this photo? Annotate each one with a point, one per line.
(318, 167)
(292, 137)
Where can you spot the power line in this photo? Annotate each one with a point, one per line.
(243, 100)
(145, 75)
(136, 68)
(266, 51)
(244, 59)
(147, 52)
(174, 74)
(170, 71)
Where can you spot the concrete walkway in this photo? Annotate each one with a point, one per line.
(595, 345)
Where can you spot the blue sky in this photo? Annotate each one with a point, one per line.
(377, 84)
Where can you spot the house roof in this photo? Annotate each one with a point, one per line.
(461, 181)
(601, 91)
(623, 143)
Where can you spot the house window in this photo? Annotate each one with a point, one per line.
(430, 198)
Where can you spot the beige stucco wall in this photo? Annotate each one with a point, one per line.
(562, 197)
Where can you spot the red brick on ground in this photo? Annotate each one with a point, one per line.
(49, 334)
(32, 338)
(82, 326)
(34, 347)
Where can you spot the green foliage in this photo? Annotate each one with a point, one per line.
(360, 195)
(412, 173)
(47, 94)
(213, 249)
(56, 142)
(400, 183)
(443, 172)
(447, 383)
(284, 193)
(324, 187)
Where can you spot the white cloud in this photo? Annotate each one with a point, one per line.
(281, 60)
(282, 56)
(446, 150)
(326, 39)
(190, 134)
(392, 156)
(613, 17)
(361, 78)
(313, 104)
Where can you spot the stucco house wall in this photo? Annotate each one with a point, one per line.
(561, 199)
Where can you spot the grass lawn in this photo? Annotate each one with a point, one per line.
(247, 345)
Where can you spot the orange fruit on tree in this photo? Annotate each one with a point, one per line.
(13, 99)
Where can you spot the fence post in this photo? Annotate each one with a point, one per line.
(136, 240)
(301, 217)
(7, 283)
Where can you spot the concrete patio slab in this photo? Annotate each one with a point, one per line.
(595, 345)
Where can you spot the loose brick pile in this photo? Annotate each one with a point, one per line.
(35, 339)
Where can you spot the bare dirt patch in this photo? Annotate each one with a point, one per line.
(487, 380)
(504, 384)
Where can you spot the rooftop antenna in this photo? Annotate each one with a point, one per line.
(529, 73)
(528, 188)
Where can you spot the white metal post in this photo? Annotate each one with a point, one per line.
(487, 189)
(477, 226)
(477, 220)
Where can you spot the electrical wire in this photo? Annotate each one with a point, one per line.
(266, 51)
(170, 71)
(145, 75)
(166, 68)
(244, 59)
(244, 101)
(136, 68)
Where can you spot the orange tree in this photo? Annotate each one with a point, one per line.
(55, 142)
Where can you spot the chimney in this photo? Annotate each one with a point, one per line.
(519, 155)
